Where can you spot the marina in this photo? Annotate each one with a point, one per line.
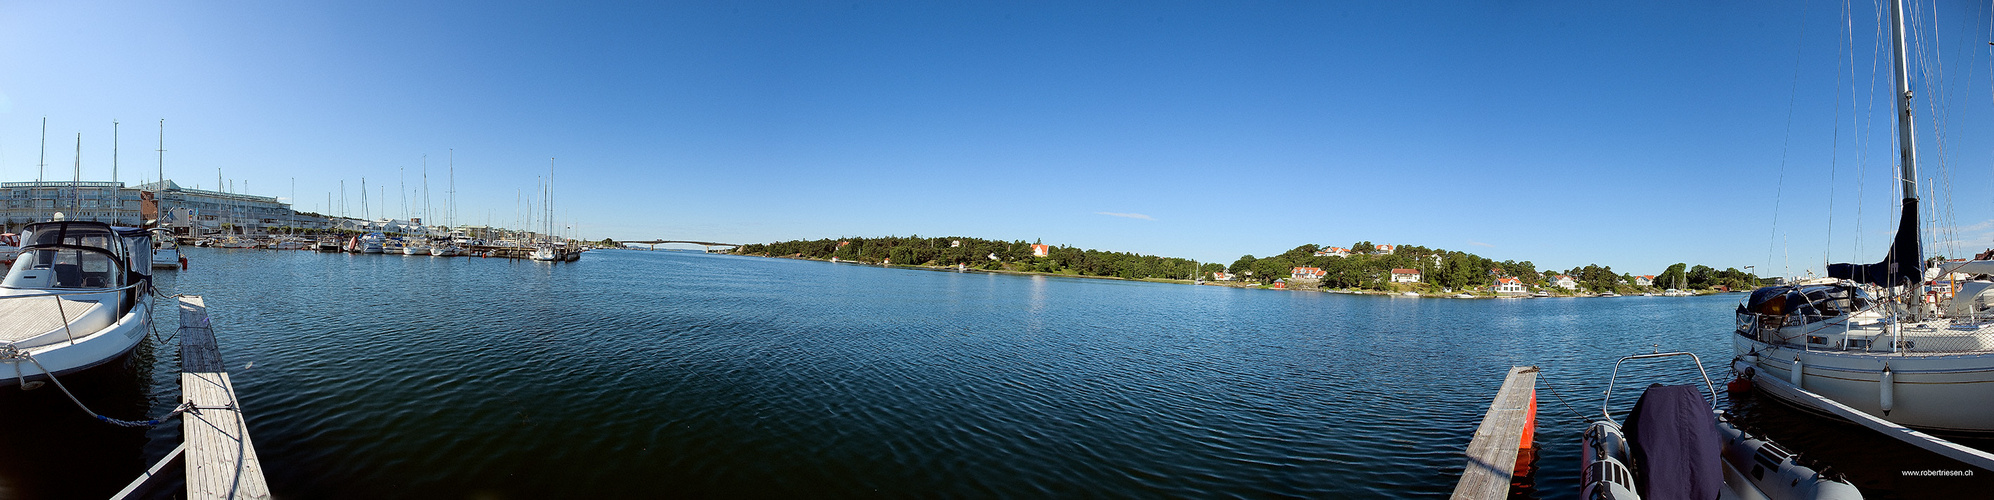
(1305, 394)
(1476, 250)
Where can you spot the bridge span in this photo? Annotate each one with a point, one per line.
(710, 245)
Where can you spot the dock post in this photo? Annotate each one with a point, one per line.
(1509, 427)
(221, 462)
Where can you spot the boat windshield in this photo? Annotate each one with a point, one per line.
(90, 235)
(64, 268)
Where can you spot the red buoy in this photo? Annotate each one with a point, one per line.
(183, 262)
(1741, 384)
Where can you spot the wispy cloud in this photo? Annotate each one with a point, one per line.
(1480, 244)
(1131, 216)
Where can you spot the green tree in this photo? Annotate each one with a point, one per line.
(1244, 264)
(1674, 277)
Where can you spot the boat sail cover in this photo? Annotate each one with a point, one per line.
(1901, 265)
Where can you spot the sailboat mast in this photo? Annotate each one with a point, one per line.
(1908, 149)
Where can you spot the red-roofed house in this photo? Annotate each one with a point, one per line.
(1385, 249)
(1306, 273)
(1644, 280)
(1405, 275)
(1333, 252)
(1508, 285)
(1040, 250)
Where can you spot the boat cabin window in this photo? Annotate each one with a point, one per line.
(64, 268)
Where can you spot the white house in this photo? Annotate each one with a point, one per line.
(1509, 286)
(1307, 273)
(1333, 252)
(1385, 249)
(1221, 276)
(1644, 280)
(1405, 275)
(1565, 282)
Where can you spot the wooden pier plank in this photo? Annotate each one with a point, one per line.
(1492, 453)
(221, 461)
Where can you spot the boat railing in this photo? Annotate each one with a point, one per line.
(1604, 405)
(126, 296)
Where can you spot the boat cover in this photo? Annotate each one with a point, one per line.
(1904, 264)
(1675, 444)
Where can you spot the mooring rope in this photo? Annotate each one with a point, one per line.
(1561, 398)
(183, 408)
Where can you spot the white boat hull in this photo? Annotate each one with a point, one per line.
(86, 351)
(166, 258)
(1935, 391)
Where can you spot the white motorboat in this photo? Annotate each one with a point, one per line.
(372, 243)
(165, 251)
(1880, 338)
(1677, 442)
(545, 253)
(78, 297)
(391, 246)
(447, 249)
(1672, 292)
(290, 243)
(416, 246)
(10, 247)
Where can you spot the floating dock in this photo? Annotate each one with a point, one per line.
(221, 462)
(1509, 429)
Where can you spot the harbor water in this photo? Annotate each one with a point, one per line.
(637, 374)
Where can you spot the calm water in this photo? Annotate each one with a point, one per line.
(668, 374)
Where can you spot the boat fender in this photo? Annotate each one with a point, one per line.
(1885, 382)
(1798, 370)
(183, 262)
(1741, 384)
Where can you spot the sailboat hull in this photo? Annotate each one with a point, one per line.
(1940, 392)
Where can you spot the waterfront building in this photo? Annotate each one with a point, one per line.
(1405, 276)
(1509, 286)
(216, 212)
(37, 201)
(1307, 273)
(1221, 276)
(1646, 280)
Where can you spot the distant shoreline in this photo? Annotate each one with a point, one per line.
(1227, 284)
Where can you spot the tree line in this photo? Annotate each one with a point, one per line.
(981, 254)
(1364, 268)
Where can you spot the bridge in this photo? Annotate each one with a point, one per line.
(654, 243)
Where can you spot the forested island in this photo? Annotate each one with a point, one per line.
(1364, 266)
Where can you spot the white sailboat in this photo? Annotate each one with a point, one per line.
(545, 251)
(1876, 338)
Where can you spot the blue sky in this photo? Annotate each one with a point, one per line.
(1566, 133)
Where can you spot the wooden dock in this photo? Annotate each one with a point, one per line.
(220, 460)
(1509, 428)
